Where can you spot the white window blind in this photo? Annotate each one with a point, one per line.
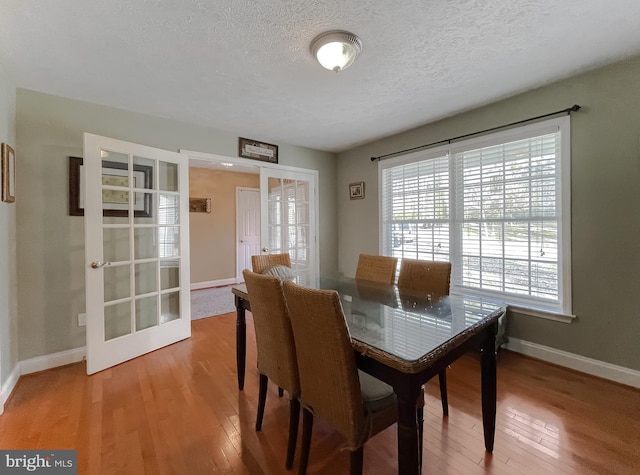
(169, 232)
(415, 209)
(497, 208)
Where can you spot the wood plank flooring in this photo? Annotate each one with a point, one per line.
(178, 411)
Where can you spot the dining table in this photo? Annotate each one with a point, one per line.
(405, 338)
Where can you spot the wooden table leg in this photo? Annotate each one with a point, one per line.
(241, 341)
(489, 386)
(408, 447)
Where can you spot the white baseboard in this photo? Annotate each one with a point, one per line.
(40, 363)
(619, 374)
(213, 283)
(9, 386)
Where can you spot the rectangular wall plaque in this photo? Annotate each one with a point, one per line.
(265, 152)
(200, 205)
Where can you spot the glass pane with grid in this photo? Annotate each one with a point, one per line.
(507, 199)
(415, 210)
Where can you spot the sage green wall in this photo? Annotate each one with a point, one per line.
(8, 305)
(605, 195)
(8, 292)
(50, 251)
(8, 298)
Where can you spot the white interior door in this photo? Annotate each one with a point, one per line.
(137, 250)
(289, 202)
(248, 224)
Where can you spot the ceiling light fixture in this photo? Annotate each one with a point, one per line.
(336, 50)
(226, 164)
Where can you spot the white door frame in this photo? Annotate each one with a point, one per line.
(210, 157)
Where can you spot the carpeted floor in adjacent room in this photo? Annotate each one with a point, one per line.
(211, 302)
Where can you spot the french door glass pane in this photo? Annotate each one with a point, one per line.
(117, 320)
(169, 241)
(169, 209)
(144, 240)
(143, 173)
(168, 176)
(144, 205)
(146, 312)
(146, 278)
(169, 274)
(117, 284)
(170, 309)
(115, 246)
(115, 186)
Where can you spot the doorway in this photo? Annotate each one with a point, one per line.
(306, 256)
(247, 228)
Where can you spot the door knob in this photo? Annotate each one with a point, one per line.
(265, 249)
(98, 264)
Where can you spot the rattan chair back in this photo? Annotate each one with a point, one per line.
(274, 338)
(380, 269)
(262, 262)
(424, 276)
(329, 383)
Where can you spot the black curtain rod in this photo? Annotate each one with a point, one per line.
(568, 110)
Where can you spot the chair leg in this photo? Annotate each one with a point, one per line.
(262, 398)
(307, 427)
(280, 392)
(357, 457)
(442, 377)
(294, 418)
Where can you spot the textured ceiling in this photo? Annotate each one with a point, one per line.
(244, 66)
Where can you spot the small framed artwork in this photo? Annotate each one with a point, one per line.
(114, 202)
(8, 174)
(265, 152)
(356, 190)
(200, 205)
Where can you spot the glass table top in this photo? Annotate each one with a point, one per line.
(406, 325)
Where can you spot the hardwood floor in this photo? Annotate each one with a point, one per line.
(178, 411)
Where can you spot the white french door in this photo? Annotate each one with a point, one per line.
(289, 203)
(137, 249)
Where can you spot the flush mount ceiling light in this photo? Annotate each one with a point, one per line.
(336, 50)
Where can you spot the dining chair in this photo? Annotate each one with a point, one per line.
(425, 276)
(261, 262)
(433, 277)
(381, 269)
(276, 349)
(354, 403)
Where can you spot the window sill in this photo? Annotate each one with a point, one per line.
(522, 310)
(531, 312)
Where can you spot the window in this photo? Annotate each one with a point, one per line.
(497, 207)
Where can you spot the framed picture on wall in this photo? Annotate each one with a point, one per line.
(356, 190)
(256, 150)
(114, 202)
